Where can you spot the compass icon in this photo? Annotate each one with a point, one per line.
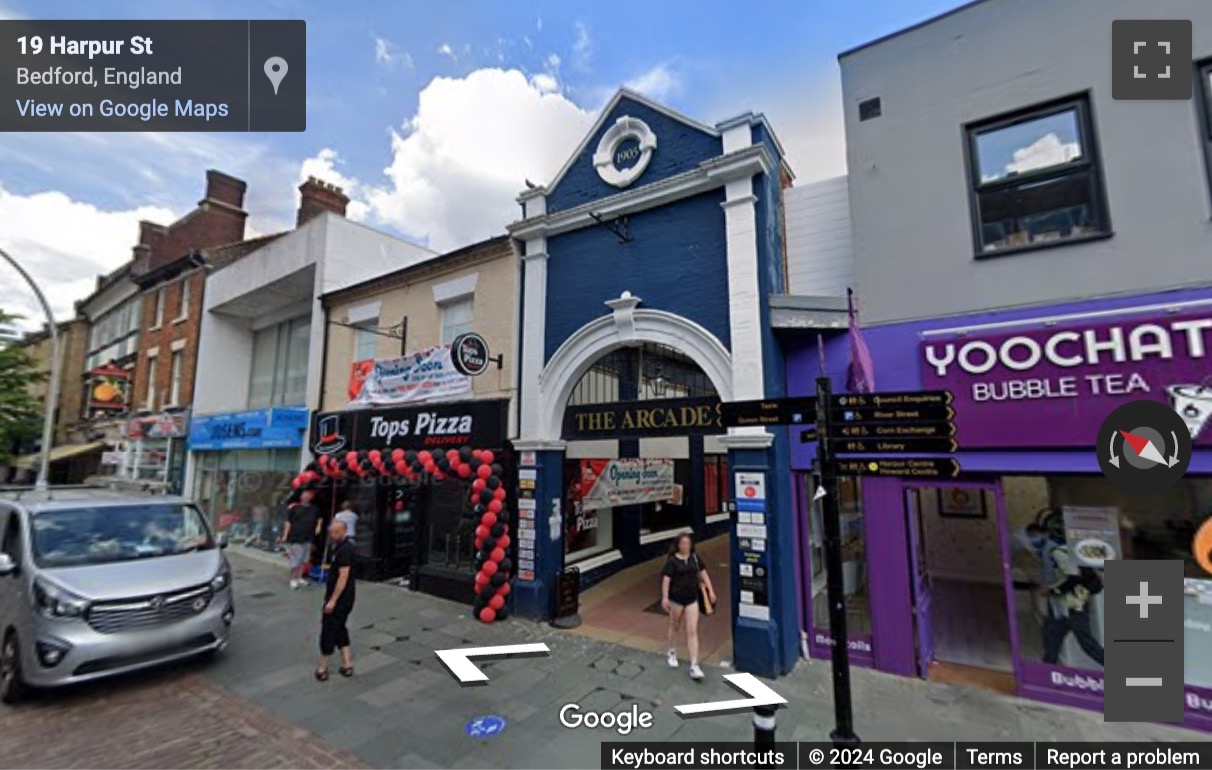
(1144, 447)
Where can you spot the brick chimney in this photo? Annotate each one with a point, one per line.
(317, 196)
(221, 188)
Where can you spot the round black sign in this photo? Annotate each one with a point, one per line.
(469, 353)
(1144, 447)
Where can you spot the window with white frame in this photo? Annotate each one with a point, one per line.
(183, 313)
(159, 319)
(178, 371)
(1036, 179)
(149, 402)
(366, 339)
(456, 318)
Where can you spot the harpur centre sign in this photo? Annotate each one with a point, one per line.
(1054, 386)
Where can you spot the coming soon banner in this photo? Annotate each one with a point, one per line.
(628, 481)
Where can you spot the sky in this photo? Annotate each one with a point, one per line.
(431, 115)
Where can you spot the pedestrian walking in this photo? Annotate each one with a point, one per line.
(683, 579)
(339, 594)
(303, 524)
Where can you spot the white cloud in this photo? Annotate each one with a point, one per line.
(553, 61)
(1048, 150)
(64, 244)
(446, 50)
(388, 53)
(659, 83)
(545, 83)
(526, 40)
(582, 46)
(454, 175)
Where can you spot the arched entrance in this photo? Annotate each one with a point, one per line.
(642, 464)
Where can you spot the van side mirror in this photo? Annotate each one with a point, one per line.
(7, 565)
(221, 539)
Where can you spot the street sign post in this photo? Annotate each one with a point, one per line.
(894, 446)
(908, 467)
(773, 411)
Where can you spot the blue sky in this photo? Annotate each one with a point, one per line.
(432, 113)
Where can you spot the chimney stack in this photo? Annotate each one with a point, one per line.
(222, 188)
(317, 196)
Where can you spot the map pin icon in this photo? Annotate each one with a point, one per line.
(275, 70)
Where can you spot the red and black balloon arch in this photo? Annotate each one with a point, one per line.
(477, 466)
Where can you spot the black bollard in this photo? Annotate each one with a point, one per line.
(763, 731)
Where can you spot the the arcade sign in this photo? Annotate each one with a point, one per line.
(644, 419)
(475, 423)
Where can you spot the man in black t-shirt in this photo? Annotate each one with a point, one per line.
(303, 522)
(339, 594)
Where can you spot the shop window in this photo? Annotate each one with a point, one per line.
(456, 318)
(1064, 527)
(716, 493)
(669, 515)
(241, 492)
(366, 340)
(450, 526)
(1035, 179)
(586, 532)
(854, 562)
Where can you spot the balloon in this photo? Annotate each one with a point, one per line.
(417, 467)
(503, 613)
(425, 457)
(295, 482)
(443, 464)
(479, 509)
(490, 568)
(504, 589)
(494, 506)
(487, 456)
(503, 517)
(496, 602)
(493, 482)
(497, 555)
(401, 468)
(505, 565)
(484, 471)
(375, 455)
(497, 470)
(503, 541)
(410, 457)
(464, 471)
(431, 468)
(479, 543)
(481, 579)
(498, 529)
(485, 497)
(481, 531)
(487, 592)
(488, 519)
(351, 457)
(489, 544)
(498, 580)
(452, 455)
(498, 494)
(465, 453)
(478, 485)
(400, 505)
(488, 614)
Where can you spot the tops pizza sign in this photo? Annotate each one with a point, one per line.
(1054, 386)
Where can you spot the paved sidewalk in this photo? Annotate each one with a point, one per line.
(153, 720)
(403, 709)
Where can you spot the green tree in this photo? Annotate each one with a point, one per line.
(21, 412)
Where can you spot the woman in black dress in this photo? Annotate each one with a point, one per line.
(339, 596)
(680, 580)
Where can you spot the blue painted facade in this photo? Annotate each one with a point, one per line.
(675, 262)
(681, 147)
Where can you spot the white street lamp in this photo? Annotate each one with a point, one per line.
(52, 391)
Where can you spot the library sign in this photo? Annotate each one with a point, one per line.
(643, 419)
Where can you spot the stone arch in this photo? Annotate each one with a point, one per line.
(627, 325)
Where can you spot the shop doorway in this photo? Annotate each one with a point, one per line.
(642, 466)
(958, 576)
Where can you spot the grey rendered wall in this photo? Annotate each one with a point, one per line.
(819, 254)
(908, 191)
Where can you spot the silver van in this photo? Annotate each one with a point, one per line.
(95, 583)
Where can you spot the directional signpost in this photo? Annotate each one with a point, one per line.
(775, 411)
(909, 467)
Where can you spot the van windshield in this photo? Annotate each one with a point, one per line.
(73, 537)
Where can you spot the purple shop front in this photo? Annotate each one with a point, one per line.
(1030, 390)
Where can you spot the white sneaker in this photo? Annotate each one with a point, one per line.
(696, 673)
(672, 658)
(294, 584)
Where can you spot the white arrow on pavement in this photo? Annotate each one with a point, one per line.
(747, 684)
(458, 662)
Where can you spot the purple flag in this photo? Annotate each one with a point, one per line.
(860, 375)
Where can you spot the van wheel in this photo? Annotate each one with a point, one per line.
(12, 683)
